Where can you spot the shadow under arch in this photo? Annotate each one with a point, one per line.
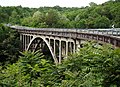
(47, 44)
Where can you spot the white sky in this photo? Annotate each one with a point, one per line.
(42, 3)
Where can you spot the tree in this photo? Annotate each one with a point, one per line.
(92, 4)
(93, 65)
(101, 22)
(31, 70)
(115, 12)
(81, 24)
(38, 18)
(51, 18)
(28, 21)
(14, 18)
(9, 45)
(63, 22)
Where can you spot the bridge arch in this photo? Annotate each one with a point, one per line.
(47, 44)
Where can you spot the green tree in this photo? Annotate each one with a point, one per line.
(14, 18)
(38, 19)
(115, 12)
(31, 70)
(81, 24)
(92, 4)
(28, 21)
(63, 22)
(101, 22)
(9, 45)
(51, 18)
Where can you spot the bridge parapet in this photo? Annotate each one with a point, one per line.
(110, 31)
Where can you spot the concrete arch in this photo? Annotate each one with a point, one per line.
(47, 43)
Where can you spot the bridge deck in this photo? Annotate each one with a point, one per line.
(110, 31)
(111, 36)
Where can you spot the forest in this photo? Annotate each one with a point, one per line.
(93, 16)
(91, 66)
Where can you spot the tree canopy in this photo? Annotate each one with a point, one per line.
(93, 16)
(91, 66)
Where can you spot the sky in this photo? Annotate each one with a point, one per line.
(50, 3)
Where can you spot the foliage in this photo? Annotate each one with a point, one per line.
(9, 45)
(92, 66)
(31, 70)
(94, 16)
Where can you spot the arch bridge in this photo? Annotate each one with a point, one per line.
(60, 42)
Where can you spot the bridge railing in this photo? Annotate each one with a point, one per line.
(110, 31)
(111, 36)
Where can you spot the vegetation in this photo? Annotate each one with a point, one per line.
(91, 66)
(9, 45)
(93, 16)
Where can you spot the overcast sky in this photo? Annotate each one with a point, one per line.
(42, 3)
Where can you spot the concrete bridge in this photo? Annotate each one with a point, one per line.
(60, 42)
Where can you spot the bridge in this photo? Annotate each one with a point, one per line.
(60, 42)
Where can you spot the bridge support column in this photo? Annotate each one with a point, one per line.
(70, 47)
(77, 45)
(54, 48)
(60, 53)
(21, 46)
(29, 39)
(66, 49)
(25, 41)
(63, 48)
(74, 47)
(20, 37)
